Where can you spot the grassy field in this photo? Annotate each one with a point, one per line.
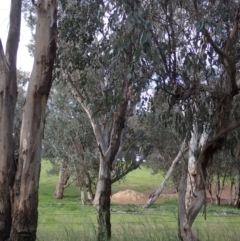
(68, 219)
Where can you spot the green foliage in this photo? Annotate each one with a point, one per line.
(158, 135)
(97, 47)
(68, 133)
(48, 184)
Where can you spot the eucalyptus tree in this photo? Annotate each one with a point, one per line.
(225, 164)
(69, 141)
(8, 89)
(222, 91)
(160, 140)
(19, 178)
(233, 168)
(101, 58)
(193, 48)
(237, 185)
(197, 65)
(25, 188)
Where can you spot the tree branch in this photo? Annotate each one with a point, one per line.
(133, 166)
(33, 2)
(69, 183)
(74, 89)
(153, 197)
(219, 51)
(222, 133)
(13, 34)
(208, 150)
(81, 100)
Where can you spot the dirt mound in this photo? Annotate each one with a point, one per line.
(137, 198)
(129, 197)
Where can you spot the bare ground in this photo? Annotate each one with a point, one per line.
(133, 197)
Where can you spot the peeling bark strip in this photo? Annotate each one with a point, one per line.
(8, 97)
(154, 196)
(25, 191)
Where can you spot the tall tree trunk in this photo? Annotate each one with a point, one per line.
(25, 199)
(62, 180)
(109, 144)
(221, 127)
(109, 138)
(80, 182)
(191, 200)
(237, 201)
(209, 187)
(8, 97)
(154, 196)
(196, 142)
(88, 183)
(6, 149)
(230, 201)
(82, 195)
(217, 191)
(219, 188)
(102, 200)
(188, 214)
(108, 135)
(184, 224)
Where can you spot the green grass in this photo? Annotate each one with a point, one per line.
(48, 184)
(68, 219)
(139, 180)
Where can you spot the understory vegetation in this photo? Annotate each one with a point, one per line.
(68, 220)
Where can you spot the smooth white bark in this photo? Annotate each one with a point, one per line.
(190, 198)
(196, 143)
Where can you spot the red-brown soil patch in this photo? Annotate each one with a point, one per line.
(128, 197)
(133, 197)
